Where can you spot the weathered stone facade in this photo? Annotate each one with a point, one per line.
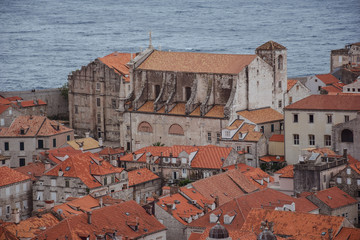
(349, 54)
(175, 229)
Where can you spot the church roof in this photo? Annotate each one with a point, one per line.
(271, 45)
(196, 62)
(118, 61)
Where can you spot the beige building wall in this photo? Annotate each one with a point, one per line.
(296, 93)
(276, 148)
(303, 128)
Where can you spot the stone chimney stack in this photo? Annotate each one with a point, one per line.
(169, 208)
(89, 217)
(60, 173)
(49, 204)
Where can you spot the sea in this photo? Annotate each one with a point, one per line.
(43, 41)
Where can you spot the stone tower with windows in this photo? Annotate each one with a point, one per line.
(276, 56)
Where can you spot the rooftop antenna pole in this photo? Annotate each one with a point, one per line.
(150, 43)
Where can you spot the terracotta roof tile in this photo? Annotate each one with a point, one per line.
(32, 103)
(262, 115)
(272, 159)
(14, 98)
(119, 218)
(87, 143)
(140, 176)
(118, 61)
(210, 157)
(111, 151)
(84, 166)
(147, 107)
(348, 234)
(271, 45)
(58, 155)
(327, 102)
(335, 198)
(179, 109)
(291, 83)
(196, 112)
(4, 101)
(3, 108)
(216, 111)
(332, 89)
(327, 78)
(183, 209)
(196, 62)
(34, 126)
(140, 153)
(287, 172)
(355, 167)
(277, 138)
(303, 225)
(193, 194)
(250, 134)
(29, 228)
(33, 170)
(10, 176)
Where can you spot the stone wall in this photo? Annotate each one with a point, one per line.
(175, 229)
(57, 105)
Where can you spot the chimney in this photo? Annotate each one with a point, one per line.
(134, 156)
(60, 173)
(216, 201)
(100, 142)
(206, 208)
(49, 204)
(101, 202)
(47, 165)
(169, 208)
(16, 215)
(87, 134)
(89, 217)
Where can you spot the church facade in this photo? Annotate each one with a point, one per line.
(180, 97)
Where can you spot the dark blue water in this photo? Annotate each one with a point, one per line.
(42, 41)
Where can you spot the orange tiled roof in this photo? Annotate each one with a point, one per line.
(210, 157)
(271, 45)
(196, 62)
(332, 89)
(14, 98)
(196, 112)
(87, 143)
(118, 61)
(351, 159)
(56, 155)
(3, 108)
(10, 176)
(4, 101)
(33, 170)
(272, 158)
(327, 78)
(335, 198)
(193, 194)
(140, 176)
(31, 103)
(147, 107)
(277, 138)
(183, 209)
(34, 126)
(84, 166)
(29, 228)
(119, 218)
(111, 151)
(140, 153)
(291, 83)
(348, 234)
(262, 115)
(355, 167)
(327, 102)
(179, 109)
(303, 225)
(324, 151)
(216, 111)
(287, 172)
(249, 130)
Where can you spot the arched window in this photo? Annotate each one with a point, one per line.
(347, 136)
(176, 129)
(145, 127)
(280, 62)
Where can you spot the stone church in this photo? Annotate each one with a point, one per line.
(173, 97)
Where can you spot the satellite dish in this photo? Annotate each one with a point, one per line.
(59, 211)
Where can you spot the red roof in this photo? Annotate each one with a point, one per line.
(193, 194)
(14, 98)
(277, 138)
(59, 154)
(4, 101)
(118, 61)
(10, 176)
(352, 160)
(34, 126)
(32, 103)
(33, 170)
(291, 83)
(111, 151)
(332, 89)
(120, 219)
(286, 172)
(348, 234)
(210, 157)
(327, 78)
(335, 198)
(84, 166)
(272, 159)
(327, 102)
(3, 108)
(140, 176)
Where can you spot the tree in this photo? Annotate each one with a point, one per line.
(64, 91)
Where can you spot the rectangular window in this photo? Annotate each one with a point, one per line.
(296, 118)
(262, 129)
(22, 146)
(97, 86)
(53, 196)
(311, 140)
(248, 149)
(22, 162)
(7, 191)
(290, 100)
(98, 118)
(40, 144)
(311, 118)
(348, 181)
(272, 128)
(347, 118)
(339, 180)
(327, 140)
(53, 182)
(324, 178)
(218, 137)
(238, 148)
(280, 103)
(319, 88)
(68, 138)
(8, 209)
(76, 109)
(296, 139)
(113, 103)
(329, 118)
(25, 187)
(209, 136)
(279, 84)
(105, 180)
(40, 196)
(6, 146)
(67, 183)
(54, 142)
(2, 122)
(98, 102)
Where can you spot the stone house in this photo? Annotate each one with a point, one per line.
(29, 135)
(170, 94)
(335, 202)
(353, 87)
(295, 91)
(284, 180)
(7, 114)
(348, 180)
(145, 184)
(15, 195)
(78, 176)
(310, 121)
(112, 155)
(316, 82)
(347, 136)
(316, 168)
(348, 55)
